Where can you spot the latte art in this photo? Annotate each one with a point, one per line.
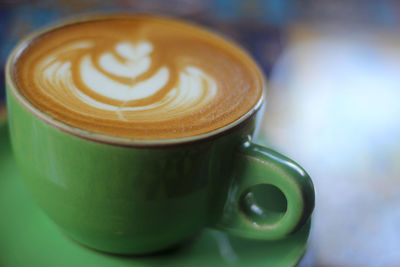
(138, 77)
(193, 89)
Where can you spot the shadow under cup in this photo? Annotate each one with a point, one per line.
(131, 197)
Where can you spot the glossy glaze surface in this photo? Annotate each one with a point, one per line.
(26, 233)
(138, 200)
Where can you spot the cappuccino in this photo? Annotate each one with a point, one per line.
(139, 77)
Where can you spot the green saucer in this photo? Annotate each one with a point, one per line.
(29, 238)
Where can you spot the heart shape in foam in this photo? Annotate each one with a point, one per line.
(193, 89)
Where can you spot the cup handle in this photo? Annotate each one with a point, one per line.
(260, 168)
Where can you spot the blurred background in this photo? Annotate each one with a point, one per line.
(333, 102)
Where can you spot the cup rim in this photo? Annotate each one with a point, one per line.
(109, 139)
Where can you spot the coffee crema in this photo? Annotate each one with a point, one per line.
(138, 77)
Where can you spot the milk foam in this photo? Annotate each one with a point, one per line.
(194, 87)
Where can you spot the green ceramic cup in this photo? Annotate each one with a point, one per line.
(141, 196)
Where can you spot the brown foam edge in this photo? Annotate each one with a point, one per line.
(108, 139)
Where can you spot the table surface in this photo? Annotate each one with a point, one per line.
(333, 93)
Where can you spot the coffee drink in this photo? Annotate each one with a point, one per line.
(138, 77)
(130, 95)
